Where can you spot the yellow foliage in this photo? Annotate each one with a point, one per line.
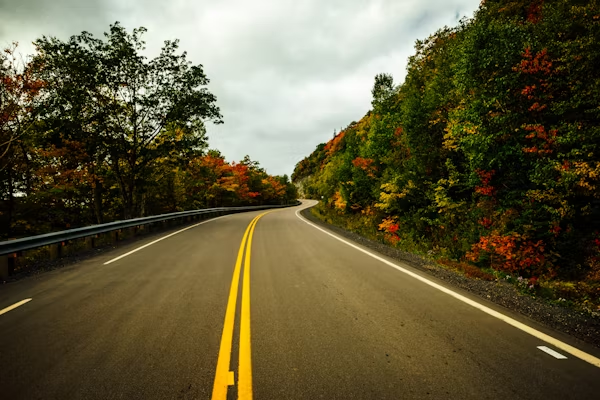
(587, 173)
(455, 130)
(550, 196)
(338, 201)
(368, 211)
(363, 126)
(470, 129)
(443, 202)
(450, 142)
(390, 192)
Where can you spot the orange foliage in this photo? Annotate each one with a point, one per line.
(366, 164)
(19, 88)
(66, 167)
(528, 91)
(338, 201)
(485, 222)
(534, 13)
(555, 229)
(236, 180)
(485, 176)
(213, 163)
(546, 138)
(272, 188)
(511, 253)
(217, 175)
(334, 144)
(390, 227)
(533, 64)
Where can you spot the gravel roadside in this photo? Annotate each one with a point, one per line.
(573, 322)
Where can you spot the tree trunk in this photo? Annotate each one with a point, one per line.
(127, 190)
(11, 202)
(126, 196)
(98, 201)
(143, 205)
(128, 205)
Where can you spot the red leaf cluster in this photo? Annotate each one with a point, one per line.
(485, 222)
(510, 253)
(534, 12)
(485, 176)
(390, 227)
(535, 63)
(545, 139)
(555, 229)
(366, 164)
(528, 91)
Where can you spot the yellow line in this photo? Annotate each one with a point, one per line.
(222, 373)
(245, 362)
(223, 376)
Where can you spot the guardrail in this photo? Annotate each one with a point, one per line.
(12, 247)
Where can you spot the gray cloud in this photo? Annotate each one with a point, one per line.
(26, 20)
(286, 73)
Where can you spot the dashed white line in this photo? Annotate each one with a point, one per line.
(7, 309)
(162, 238)
(553, 353)
(519, 325)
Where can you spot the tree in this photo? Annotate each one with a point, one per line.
(383, 89)
(93, 131)
(19, 92)
(490, 146)
(129, 103)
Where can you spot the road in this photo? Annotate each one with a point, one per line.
(306, 316)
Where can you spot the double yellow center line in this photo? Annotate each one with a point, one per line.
(224, 377)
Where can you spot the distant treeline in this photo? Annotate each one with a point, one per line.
(489, 152)
(93, 131)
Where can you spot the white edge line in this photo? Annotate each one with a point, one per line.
(7, 309)
(525, 328)
(162, 238)
(553, 353)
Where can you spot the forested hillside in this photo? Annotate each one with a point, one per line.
(93, 131)
(488, 153)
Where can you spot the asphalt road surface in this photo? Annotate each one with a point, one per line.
(306, 316)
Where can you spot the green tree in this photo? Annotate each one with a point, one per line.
(126, 102)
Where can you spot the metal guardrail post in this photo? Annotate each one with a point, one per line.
(55, 250)
(89, 242)
(5, 266)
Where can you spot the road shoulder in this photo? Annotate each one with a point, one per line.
(572, 322)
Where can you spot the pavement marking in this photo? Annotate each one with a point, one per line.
(525, 328)
(231, 379)
(20, 303)
(245, 356)
(222, 374)
(162, 238)
(553, 353)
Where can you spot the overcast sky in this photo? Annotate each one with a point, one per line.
(285, 73)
